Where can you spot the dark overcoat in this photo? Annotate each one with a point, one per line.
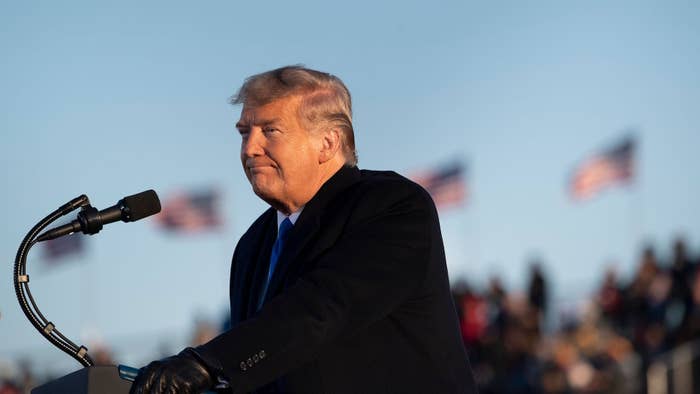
(359, 301)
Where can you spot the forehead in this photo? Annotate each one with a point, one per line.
(284, 109)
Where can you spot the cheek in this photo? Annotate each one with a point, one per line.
(245, 170)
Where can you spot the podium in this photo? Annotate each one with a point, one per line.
(90, 380)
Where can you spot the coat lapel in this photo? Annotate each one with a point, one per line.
(307, 226)
(257, 266)
(300, 235)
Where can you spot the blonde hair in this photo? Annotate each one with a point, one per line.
(325, 100)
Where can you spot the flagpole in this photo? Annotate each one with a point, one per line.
(636, 206)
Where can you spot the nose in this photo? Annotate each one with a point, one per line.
(252, 143)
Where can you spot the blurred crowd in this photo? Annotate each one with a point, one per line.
(605, 345)
(517, 345)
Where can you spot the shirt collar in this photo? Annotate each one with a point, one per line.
(292, 218)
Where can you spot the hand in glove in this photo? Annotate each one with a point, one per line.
(184, 373)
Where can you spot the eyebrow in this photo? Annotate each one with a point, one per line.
(262, 122)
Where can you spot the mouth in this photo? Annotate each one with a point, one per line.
(257, 168)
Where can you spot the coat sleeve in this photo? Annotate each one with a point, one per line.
(376, 264)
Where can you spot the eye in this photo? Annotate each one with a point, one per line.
(244, 131)
(269, 129)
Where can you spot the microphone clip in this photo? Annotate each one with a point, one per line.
(90, 219)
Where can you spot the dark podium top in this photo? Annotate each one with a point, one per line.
(91, 380)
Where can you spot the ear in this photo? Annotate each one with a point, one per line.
(330, 145)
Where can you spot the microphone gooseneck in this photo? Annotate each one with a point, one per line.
(89, 221)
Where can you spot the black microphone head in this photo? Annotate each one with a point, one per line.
(140, 205)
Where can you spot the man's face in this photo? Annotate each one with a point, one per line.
(280, 156)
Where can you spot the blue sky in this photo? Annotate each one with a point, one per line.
(110, 100)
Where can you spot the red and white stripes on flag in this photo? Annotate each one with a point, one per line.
(191, 212)
(446, 184)
(610, 167)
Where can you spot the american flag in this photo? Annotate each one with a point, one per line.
(612, 166)
(446, 184)
(191, 212)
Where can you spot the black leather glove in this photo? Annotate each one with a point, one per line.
(184, 373)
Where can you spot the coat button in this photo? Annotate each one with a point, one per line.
(256, 358)
(243, 367)
(261, 354)
(249, 362)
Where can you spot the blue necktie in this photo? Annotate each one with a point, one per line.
(282, 235)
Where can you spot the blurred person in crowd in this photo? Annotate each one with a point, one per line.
(8, 378)
(610, 298)
(654, 341)
(496, 297)
(508, 348)
(681, 266)
(690, 327)
(552, 379)
(635, 296)
(658, 296)
(203, 333)
(496, 292)
(488, 350)
(8, 387)
(537, 293)
(27, 380)
(459, 289)
(474, 320)
(341, 286)
(101, 354)
(681, 298)
(537, 289)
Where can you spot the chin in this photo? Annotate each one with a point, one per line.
(264, 193)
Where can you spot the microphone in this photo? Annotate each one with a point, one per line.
(90, 220)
